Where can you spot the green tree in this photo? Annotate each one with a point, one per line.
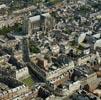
(34, 49)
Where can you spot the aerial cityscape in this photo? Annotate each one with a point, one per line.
(50, 49)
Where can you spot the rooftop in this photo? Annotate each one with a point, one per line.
(38, 17)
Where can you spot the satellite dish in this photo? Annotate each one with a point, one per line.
(81, 38)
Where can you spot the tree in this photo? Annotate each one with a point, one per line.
(34, 49)
(5, 30)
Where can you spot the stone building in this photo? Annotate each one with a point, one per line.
(22, 73)
(43, 22)
(91, 82)
(84, 59)
(48, 72)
